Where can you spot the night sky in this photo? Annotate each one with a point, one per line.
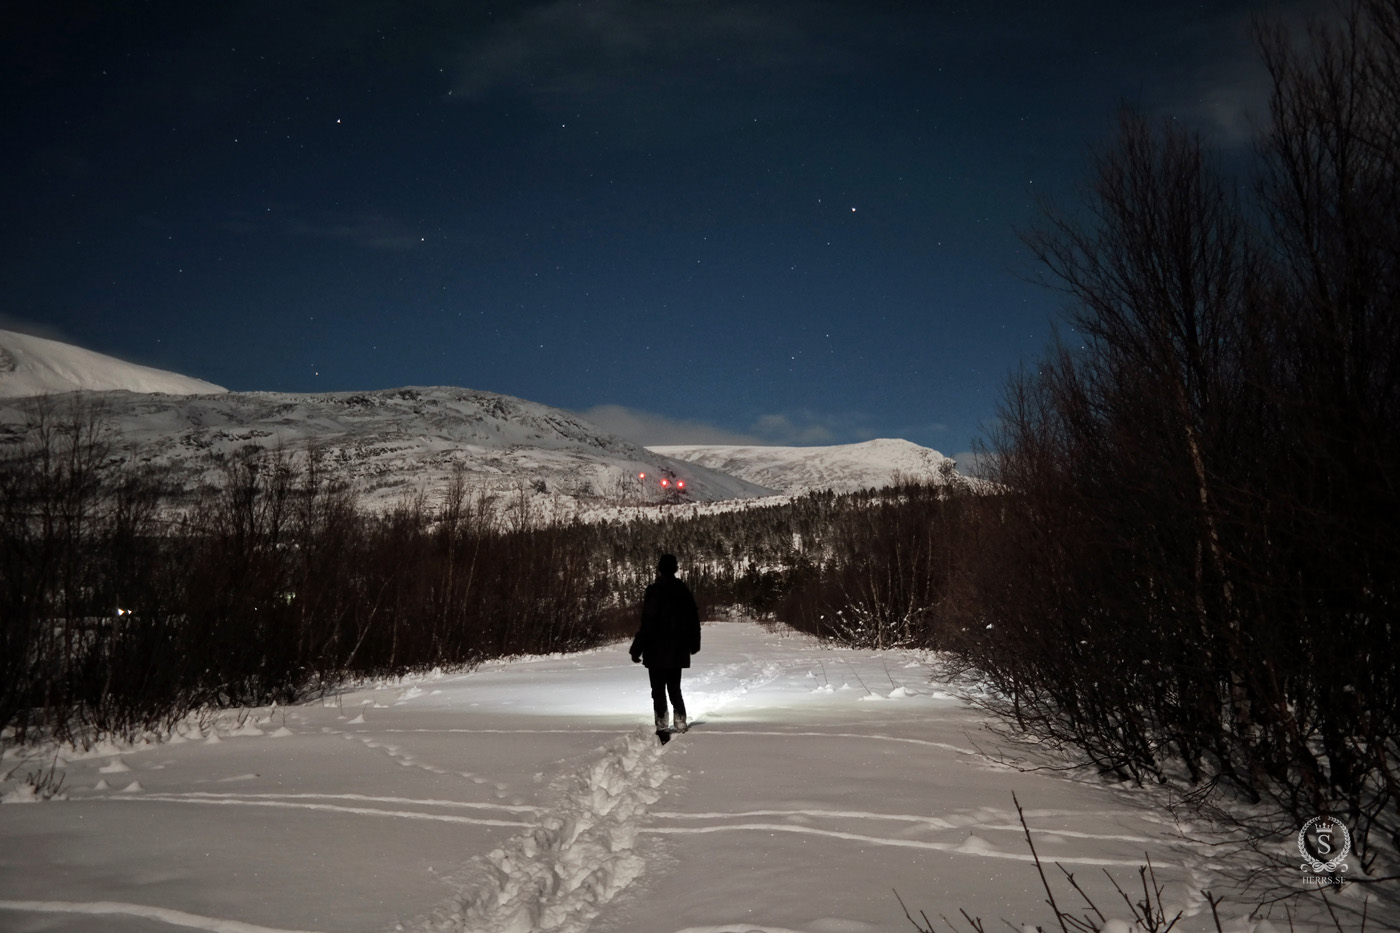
(706, 221)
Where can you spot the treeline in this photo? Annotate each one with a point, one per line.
(123, 607)
(1199, 559)
(879, 568)
(121, 613)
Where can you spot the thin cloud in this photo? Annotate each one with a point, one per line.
(1234, 102)
(365, 229)
(653, 430)
(971, 463)
(783, 429)
(1230, 91)
(791, 429)
(569, 48)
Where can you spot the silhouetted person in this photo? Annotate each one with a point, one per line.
(669, 635)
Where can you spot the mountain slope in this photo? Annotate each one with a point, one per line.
(396, 443)
(840, 468)
(37, 366)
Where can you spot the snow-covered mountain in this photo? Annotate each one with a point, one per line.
(37, 366)
(840, 468)
(387, 444)
(394, 443)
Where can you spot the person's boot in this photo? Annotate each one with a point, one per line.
(661, 724)
(681, 724)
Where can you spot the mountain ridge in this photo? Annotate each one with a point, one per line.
(839, 468)
(31, 365)
(390, 445)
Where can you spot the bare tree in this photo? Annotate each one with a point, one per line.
(1201, 485)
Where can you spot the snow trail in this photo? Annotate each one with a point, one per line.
(367, 798)
(862, 736)
(528, 796)
(932, 822)
(166, 915)
(234, 800)
(972, 845)
(558, 875)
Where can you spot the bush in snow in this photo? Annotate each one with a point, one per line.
(1196, 568)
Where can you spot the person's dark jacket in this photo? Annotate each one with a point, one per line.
(670, 630)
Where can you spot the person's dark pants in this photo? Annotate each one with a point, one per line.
(664, 681)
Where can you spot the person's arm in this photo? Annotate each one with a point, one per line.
(694, 622)
(643, 636)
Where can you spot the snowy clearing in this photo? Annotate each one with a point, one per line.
(529, 795)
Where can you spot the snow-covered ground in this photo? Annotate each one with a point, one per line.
(530, 795)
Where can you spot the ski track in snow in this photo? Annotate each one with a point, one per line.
(972, 845)
(866, 736)
(233, 800)
(178, 918)
(739, 928)
(412, 761)
(932, 822)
